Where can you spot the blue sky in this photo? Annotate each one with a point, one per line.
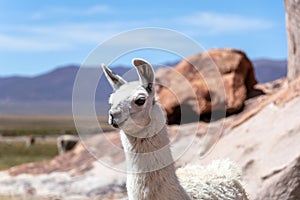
(37, 36)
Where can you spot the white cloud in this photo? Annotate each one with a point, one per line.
(53, 12)
(98, 9)
(17, 43)
(57, 37)
(217, 23)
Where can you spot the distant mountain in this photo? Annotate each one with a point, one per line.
(51, 93)
(55, 85)
(269, 70)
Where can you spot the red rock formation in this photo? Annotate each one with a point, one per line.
(202, 72)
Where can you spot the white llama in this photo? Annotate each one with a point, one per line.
(151, 173)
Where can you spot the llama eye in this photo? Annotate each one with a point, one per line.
(140, 101)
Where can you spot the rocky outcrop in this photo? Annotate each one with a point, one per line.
(66, 143)
(284, 183)
(266, 147)
(292, 8)
(198, 83)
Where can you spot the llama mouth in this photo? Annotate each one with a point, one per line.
(117, 125)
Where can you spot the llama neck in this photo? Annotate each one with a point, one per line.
(151, 173)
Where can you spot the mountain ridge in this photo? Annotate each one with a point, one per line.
(51, 92)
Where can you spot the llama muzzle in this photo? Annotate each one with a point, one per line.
(112, 121)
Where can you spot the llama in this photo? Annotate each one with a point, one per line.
(151, 174)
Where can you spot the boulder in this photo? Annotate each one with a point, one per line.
(66, 143)
(266, 147)
(292, 8)
(215, 80)
(284, 183)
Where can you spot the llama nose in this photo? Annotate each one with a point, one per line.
(112, 121)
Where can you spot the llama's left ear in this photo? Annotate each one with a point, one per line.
(114, 80)
(145, 72)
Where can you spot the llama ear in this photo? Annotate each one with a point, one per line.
(145, 72)
(114, 80)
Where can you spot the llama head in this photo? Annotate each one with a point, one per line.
(131, 102)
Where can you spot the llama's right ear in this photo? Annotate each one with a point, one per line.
(145, 72)
(114, 80)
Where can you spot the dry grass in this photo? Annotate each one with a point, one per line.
(19, 125)
(16, 153)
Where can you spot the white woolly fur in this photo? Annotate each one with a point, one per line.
(219, 180)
